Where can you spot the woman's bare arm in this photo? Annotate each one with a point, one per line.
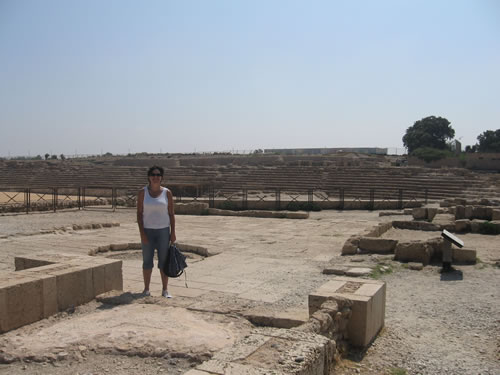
(140, 210)
(171, 214)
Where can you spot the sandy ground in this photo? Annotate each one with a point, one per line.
(435, 324)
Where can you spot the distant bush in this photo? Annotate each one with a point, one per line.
(229, 205)
(302, 206)
(429, 154)
(293, 206)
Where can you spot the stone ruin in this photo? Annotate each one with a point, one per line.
(461, 218)
(341, 312)
(43, 286)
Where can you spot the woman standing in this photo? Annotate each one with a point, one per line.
(156, 220)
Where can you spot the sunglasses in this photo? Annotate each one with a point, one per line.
(155, 175)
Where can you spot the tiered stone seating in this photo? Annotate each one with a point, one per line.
(289, 175)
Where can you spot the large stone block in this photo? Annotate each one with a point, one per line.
(462, 225)
(431, 213)
(416, 225)
(99, 279)
(495, 214)
(113, 277)
(489, 213)
(464, 256)
(74, 286)
(118, 246)
(480, 212)
(459, 212)
(351, 246)
(368, 305)
(51, 283)
(419, 213)
(475, 224)
(377, 245)
(4, 313)
(49, 295)
(468, 212)
(446, 203)
(414, 251)
(23, 303)
(438, 245)
(192, 208)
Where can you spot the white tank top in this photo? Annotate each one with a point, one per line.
(155, 211)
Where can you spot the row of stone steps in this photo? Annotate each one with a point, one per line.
(355, 181)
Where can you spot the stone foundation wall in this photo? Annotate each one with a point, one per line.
(414, 251)
(43, 286)
(331, 320)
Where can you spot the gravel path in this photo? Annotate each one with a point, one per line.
(437, 325)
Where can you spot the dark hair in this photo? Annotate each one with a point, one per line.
(150, 170)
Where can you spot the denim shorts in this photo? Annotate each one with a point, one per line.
(159, 239)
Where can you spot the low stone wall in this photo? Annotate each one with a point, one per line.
(477, 212)
(200, 250)
(260, 213)
(352, 244)
(331, 320)
(43, 286)
(413, 251)
(49, 206)
(338, 316)
(191, 208)
(348, 204)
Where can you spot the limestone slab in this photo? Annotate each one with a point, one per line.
(336, 270)
(74, 287)
(414, 251)
(113, 278)
(49, 283)
(358, 272)
(466, 256)
(23, 303)
(368, 309)
(377, 245)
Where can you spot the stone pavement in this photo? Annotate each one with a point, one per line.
(256, 259)
(269, 265)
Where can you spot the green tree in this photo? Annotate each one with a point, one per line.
(489, 141)
(47, 155)
(430, 132)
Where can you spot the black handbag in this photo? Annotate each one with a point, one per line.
(176, 262)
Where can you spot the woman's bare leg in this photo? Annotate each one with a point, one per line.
(147, 278)
(164, 280)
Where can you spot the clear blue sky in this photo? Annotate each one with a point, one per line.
(183, 76)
